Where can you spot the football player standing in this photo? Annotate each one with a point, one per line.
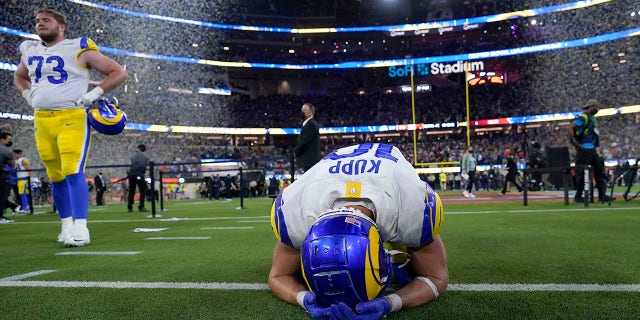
(23, 164)
(332, 227)
(53, 77)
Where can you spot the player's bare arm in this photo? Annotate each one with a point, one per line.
(115, 75)
(430, 262)
(21, 78)
(284, 277)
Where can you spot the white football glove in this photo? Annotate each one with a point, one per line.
(26, 94)
(90, 97)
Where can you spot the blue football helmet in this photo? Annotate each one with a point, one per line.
(106, 117)
(344, 259)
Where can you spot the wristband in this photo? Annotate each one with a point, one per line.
(431, 284)
(395, 301)
(300, 298)
(88, 98)
(97, 92)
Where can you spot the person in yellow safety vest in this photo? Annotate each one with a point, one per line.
(443, 181)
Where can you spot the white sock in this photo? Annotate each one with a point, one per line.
(67, 224)
(80, 223)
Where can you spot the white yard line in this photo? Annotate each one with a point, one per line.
(225, 228)
(97, 253)
(136, 285)
(592, 208)
(178, 238)
(544, 287)
(247, 219)
(15, 281)
(26, 275)
(487, 287)
(146, 220)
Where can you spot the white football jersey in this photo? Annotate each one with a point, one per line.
(57, 80)
(407, 211)
(22, 164)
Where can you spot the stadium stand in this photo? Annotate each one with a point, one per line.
(165, 92)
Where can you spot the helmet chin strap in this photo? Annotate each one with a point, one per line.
(396, 252)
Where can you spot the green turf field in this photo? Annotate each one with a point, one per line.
(213, 260)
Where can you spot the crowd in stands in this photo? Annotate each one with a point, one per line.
(171, 38)
(544, 83)
(188, 149)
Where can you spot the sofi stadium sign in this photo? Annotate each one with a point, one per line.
(435, 68)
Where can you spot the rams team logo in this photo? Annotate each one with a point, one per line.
(106, 118)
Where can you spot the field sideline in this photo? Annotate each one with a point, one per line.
(210, 260)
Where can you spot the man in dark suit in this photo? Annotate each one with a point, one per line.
(307, 151)
(137, 170)
(98, 181)
(6, 159)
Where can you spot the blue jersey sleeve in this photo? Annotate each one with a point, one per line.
(278, 223)
(433, 217)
